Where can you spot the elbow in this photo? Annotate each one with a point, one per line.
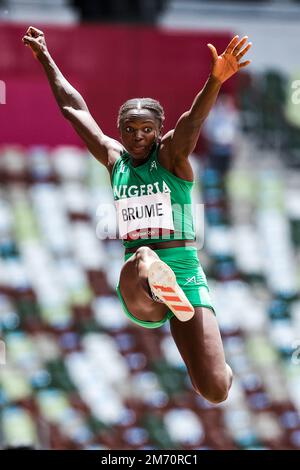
(66, 112)
(69, 113)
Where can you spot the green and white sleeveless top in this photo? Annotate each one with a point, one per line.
(152, 204)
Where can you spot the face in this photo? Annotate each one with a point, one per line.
(139, 129)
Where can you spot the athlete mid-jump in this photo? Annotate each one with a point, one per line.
(152, 179)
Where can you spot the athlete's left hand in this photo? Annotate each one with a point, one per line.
(228, 63)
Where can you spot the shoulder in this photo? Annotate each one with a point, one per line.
(164, 154)
(118, 163)
(168, 159)
(115, 151)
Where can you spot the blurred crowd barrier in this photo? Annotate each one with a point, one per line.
(79, 375)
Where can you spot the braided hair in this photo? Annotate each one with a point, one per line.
(142, 103)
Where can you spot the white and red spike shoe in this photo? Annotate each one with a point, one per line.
(163, 284)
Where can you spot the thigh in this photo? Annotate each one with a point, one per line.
(200, 345)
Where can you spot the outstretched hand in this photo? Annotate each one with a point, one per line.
(35, 39)
(228, 63)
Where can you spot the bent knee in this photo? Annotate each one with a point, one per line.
(216, 391)
(216, 396)
(143, 251)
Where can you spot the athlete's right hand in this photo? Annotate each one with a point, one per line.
(35, 39)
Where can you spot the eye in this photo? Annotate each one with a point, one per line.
(128, 129)
(148, 129)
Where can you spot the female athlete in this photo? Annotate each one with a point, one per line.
(152, 179)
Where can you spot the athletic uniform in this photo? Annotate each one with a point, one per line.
(153, 205)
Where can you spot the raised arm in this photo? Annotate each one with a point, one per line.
(180, 142)
(71, 103)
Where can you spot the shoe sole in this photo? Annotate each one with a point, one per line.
(162, 281)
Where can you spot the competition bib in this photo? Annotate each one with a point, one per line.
(145, 216)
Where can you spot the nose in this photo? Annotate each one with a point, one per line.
(138, 135)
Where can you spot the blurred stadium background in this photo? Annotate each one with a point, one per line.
(74, 372)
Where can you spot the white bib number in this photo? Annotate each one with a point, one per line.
(145, 216)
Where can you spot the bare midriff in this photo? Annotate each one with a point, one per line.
(161, 245)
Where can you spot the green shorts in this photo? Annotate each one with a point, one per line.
(189, 275)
